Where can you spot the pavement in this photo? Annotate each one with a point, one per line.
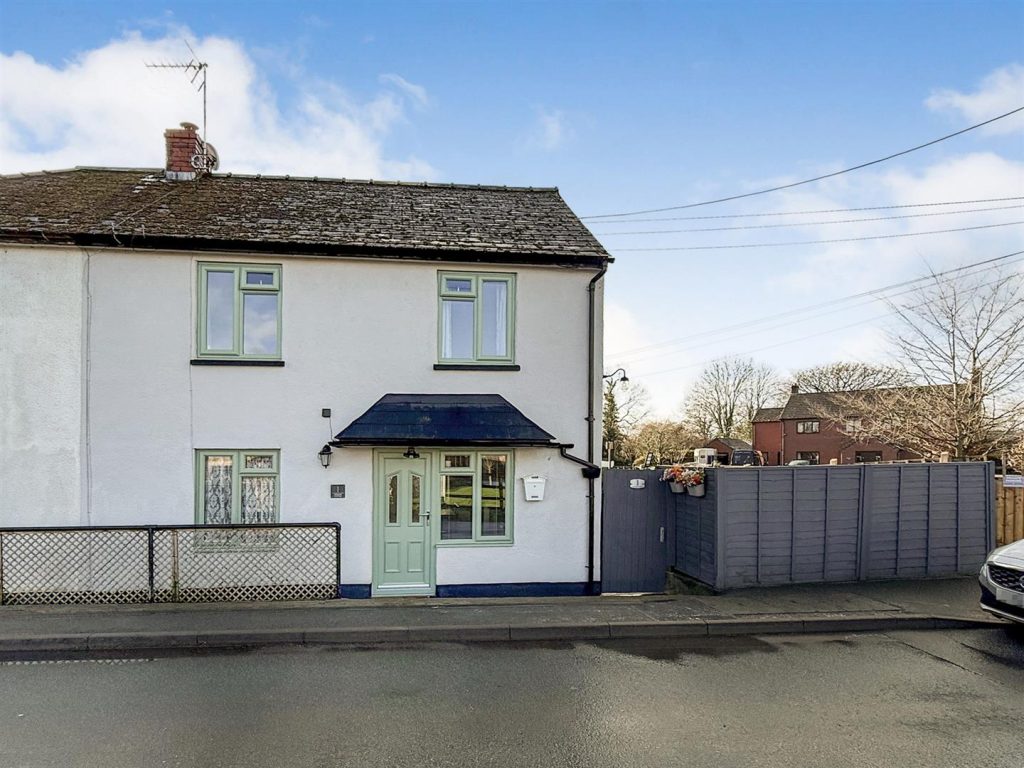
(866, 606)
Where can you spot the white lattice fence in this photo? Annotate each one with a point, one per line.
(169, 564)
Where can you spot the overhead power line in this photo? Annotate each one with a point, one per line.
(820, 242)
(782, 343)
(814, 179)
(807, 223)
(881, 290)
(806, 213)
(635, 358)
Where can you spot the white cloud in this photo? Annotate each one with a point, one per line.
(999, 92)
(104, 107)
(550, 130)
(416, 92)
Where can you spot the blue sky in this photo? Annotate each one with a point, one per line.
(622, 105)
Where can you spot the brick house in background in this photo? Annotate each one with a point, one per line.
(800, 430)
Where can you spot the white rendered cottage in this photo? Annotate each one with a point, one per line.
(181, 347)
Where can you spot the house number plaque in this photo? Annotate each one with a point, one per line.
(337, 491)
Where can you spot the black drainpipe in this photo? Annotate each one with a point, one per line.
(591, 356)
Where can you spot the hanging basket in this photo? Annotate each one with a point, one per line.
(677, 487)
(696, 490)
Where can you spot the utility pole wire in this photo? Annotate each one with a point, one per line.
(820, 242)
(807, 223)
(804, 213)
(816, 178)
(874, 292)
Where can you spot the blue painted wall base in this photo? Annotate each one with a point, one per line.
(526, 589)
(358, 591)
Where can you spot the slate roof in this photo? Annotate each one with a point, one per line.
(141, 209)
(767, 414)
(415, 420)
(731, 443)
(816, 405)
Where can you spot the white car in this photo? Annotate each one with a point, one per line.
(1002, 582)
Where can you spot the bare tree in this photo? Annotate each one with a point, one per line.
(847, 376)
(962, 343)
(625, 407)
(727, 395)
(666, 441)
(1014, 455)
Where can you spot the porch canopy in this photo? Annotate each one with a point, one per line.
(444, 420)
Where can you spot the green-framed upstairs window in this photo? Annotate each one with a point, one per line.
(239, 487)
(476, 497)
(240, 311)
(476, 317)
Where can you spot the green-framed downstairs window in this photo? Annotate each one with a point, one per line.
(237, 487)
(239, 311)
(476, 318)
(476, 497)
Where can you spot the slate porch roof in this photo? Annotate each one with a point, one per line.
(417, 420)
(139, 208)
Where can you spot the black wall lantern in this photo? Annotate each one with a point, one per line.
(325, 456)
(411, 453)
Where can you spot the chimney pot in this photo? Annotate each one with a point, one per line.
(794, 389)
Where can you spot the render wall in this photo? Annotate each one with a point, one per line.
(352, 331)
(42, 328)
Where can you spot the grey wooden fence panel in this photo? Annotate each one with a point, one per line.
(633, 536)
(976, 530)
(776, 525)
(842, 509)
(809, 516)
(882, 509)
(943, 505)
(738, 505)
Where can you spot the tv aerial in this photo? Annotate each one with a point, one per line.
(206, 159)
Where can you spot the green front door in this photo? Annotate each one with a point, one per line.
(403, 555)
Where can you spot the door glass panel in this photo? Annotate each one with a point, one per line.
(494, 341)
(220, 310)
(415, 499)
(393, 500)
(259, 323)
(456, 506)
(259, 499)
(217, 490)
(493, 502)
(457, 330)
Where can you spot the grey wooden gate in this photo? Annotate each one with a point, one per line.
(635, 539)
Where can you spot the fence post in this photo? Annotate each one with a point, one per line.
(337, 559)
(863, 526)
(174, 565)
(149, 538)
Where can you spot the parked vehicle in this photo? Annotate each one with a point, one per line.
(747, 459)
(799, 463)
(1002, 582)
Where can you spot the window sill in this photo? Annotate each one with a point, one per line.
(475, 367)
(252, 363)
(470, 543)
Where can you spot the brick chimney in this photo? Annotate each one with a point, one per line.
(794, 389)
(183, 144)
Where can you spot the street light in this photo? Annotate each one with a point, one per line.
(623, 378)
